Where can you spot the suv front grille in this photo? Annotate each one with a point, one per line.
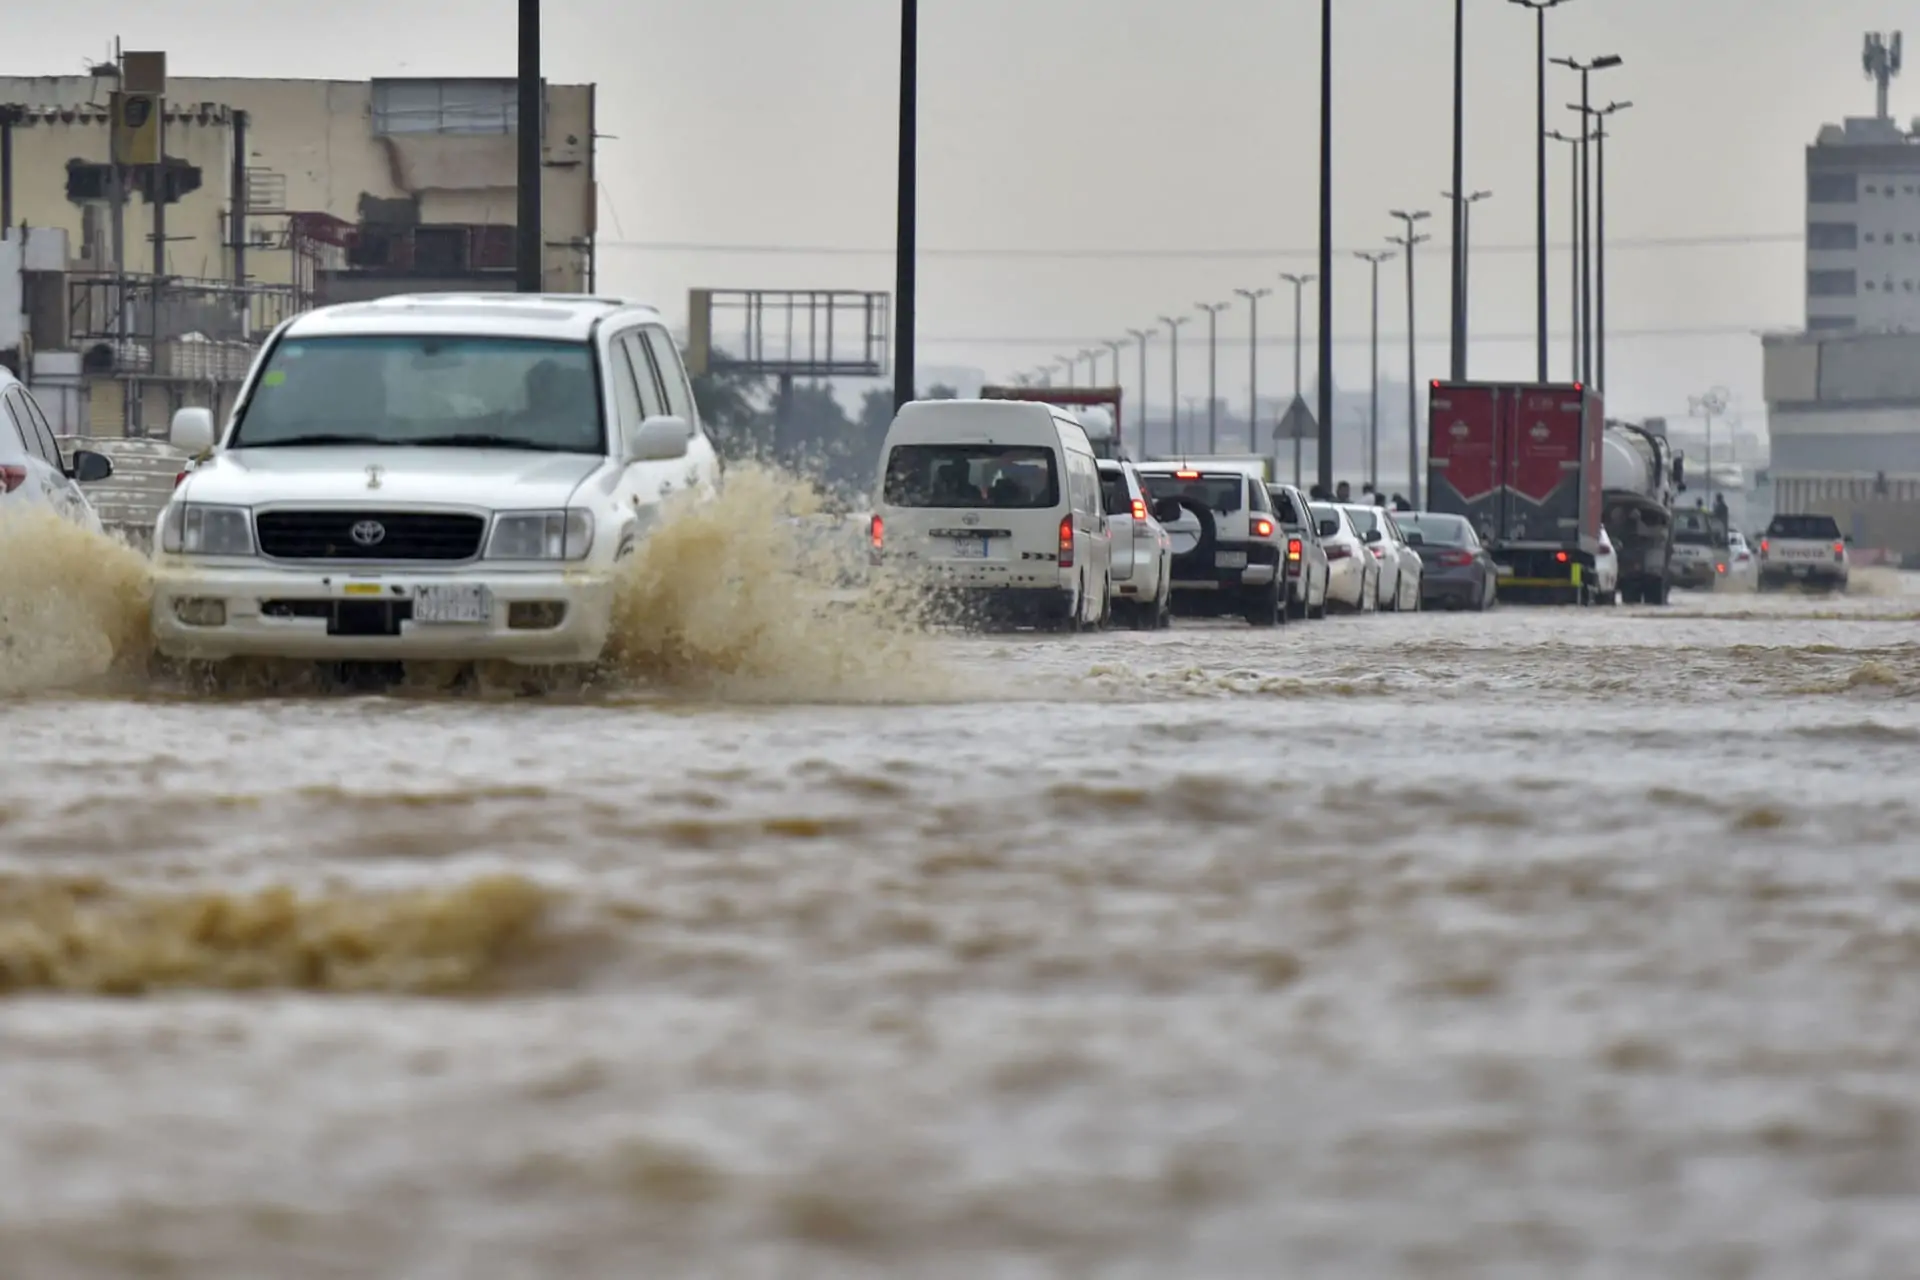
(403, 535)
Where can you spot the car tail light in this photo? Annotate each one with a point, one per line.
(1456, 557)
(1263, 528)
(1338, 552)
(1561, 556)
(1839, 548)
(12, 478)
(1066, 542)
(178, 478)
(1763, 546)
(1293, 548)
(1140, 509)
(1719, 568)
(877, 533)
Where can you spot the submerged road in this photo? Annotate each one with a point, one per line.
(1541, 943)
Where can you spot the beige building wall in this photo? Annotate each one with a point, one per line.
(316, 141)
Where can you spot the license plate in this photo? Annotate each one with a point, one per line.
(452, 603)
(1230, 560)
(1504, 570)
(970, 548)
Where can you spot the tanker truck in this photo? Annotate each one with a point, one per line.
(1640, 478)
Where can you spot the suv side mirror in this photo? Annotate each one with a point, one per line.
(660, 439)
(191, 431)
(1680, 473)
(1167, 511)
(90, 467)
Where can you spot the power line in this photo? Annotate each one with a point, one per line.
(1724, 240)
(1627, 335)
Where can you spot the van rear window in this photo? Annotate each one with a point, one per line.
(972, 475)
(1221, 494)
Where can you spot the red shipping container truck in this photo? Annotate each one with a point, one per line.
(1522, 461)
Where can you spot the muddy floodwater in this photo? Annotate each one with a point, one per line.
(1543, 943)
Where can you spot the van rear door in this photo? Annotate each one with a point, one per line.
(988, 512)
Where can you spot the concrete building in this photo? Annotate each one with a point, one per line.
(340, 190)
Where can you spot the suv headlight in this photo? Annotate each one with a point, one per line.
(541, 535)
(197, 529)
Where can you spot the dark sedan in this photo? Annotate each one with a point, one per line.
(1457, 572)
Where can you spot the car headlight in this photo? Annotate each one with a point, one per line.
(541, 535)
(197, 529)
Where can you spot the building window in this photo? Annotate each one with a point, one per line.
(1832, 284)
(1832, 235)
(1872, 190)
(1869, 286)
(1868, 237)
(1833, 188)
(402, 107)
(1830, 322)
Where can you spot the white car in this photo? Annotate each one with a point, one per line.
(1400, 564)
(1353, 581)
(1743, 567)
(31, 469)
(1142, 568)
(449, 477)
(1228, 546)
(1605, 588)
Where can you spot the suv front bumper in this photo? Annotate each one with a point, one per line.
(534, 617)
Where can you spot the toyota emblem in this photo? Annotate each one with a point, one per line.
(368, 533)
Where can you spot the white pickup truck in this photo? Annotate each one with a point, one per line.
(1806, 549)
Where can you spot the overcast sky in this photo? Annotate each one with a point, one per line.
(1125, 125)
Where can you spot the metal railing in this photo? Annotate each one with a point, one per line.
(171, 328)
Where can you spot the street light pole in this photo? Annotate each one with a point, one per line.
(1298, 282)
(1540, 8)
(1173, 324)
(1324, 445)
(1113, 345)
(529, 251)
(1600, 240)
(1253, 297)
(1409, 242)
(1573, 250)
(1458, 360)
(904, 250)
(1586, 70)
(1374, 260)
(1092, 356)
(1213, 310)
(1072, 365)
(1461, 261)
(1140, 416)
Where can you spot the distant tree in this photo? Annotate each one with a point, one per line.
(732, 405)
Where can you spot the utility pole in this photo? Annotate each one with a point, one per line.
(1299, 283)
(1409, 242)
(1324, 445)
(1072, 366)
(1573, 250)
(1213, 310)
(1173, 324)
(1540, 8)
(1458, 354)
(1253, 297)
(1461, 255)
(1140, 415)
(905, 249)
(1373, 260)
(528, 250)
(1113, 345)
(1092, 356)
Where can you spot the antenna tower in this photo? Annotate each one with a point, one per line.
(1881, 61)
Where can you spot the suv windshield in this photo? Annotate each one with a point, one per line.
(1699, 528)
(1812, 528)
(1221, 494)
(971, 475)
(1436, 530)
(503, 393)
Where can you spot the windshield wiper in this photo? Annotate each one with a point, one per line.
(482, 440)
(294, 442)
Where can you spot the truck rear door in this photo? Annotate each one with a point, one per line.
(1464, 456)
(1544, 455)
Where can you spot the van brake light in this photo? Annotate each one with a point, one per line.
(1561, 556)
(12, 478)
(1066, 542)
(1839, 548)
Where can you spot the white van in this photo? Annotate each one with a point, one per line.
(997, 504)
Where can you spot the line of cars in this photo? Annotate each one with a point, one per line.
(1011, 513)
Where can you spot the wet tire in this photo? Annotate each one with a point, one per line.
(1264, 609)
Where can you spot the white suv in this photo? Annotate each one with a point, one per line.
(1142, 568)
(444, 477)
(1227, 543)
